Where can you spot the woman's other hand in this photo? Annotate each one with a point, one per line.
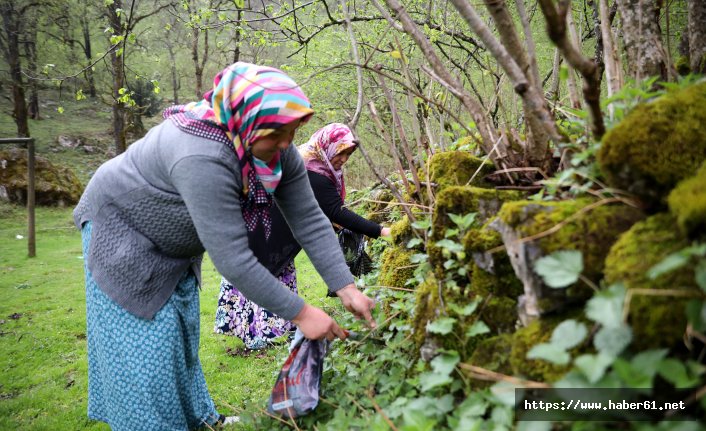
(315, 324)
(385, 231)
(357, 303)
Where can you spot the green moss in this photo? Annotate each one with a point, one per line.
(656, 321)
(657, 145)
(396, 268)
(463, 200)
(455, 168)
(539, 331)
(492, 354)
(377, 206)
(490, 273)
(687, 202)
(500, 314)
(54, 185)
(682, 65)
(427, 303)
(592, 232)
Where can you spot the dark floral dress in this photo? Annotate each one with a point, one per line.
(256, 326)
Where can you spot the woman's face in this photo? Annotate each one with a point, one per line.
(341, 158)
(266, 147)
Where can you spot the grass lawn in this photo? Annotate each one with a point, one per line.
(43, 365)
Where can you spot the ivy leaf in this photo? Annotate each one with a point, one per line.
(606, 307)
(451, 246)
(416, 420)
(560, 269)
(504, 392)
(675, 372)
(700, 274)
(593, 366)
(441, 326)
(568, 334)
(668, 264)
(479, 327)
(445, 363)
(640, 371)
(432, 380)
(465, 221)
(611, 341)
(414, 242)
(467, 310)
(550, 353)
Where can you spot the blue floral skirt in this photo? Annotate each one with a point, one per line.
(246, 320)
(146, 374)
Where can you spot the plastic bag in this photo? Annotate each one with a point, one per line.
(296, 390)
(353, 247)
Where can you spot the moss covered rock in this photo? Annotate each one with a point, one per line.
(539, 331)
(491, 273)
(492, 354)
(592, 232)
(463, 200)
(657, 321)
(657, 145)
(687, 202)
(455, 168)
(395, 268)
(54, 185)
(425, 310)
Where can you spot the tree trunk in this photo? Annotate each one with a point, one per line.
(237, 37)
(31, 55)
(11, 21)
(88, 52)
(175, 73)
(198, 69)
(505, 26)
(573, 79)
(529, 41)
(697, 35)
(117, 61)
(610, 55)
(642, 38)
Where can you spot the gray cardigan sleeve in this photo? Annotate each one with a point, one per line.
(211, 189)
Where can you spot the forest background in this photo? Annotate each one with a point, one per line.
(529, 87)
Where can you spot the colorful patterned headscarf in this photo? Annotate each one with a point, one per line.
(246, 103)
(324, 145)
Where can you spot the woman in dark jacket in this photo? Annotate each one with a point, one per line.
(324, 156)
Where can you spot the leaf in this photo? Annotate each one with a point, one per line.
(668, 264)
(550, 353)
(467, 310)
(441, 326)
(414, 242)
(445, 363)
(60, 109)
(432, 380)
(593, 366)
(640, 371)
(675, 372)
(479, 327)
(504, 392)
(395, 54)
(560, 269)
(568, 334)
(612, 340)
(452, 246)
(700, 274)
(606, 307)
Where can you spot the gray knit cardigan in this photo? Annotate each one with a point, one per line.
(171, 196)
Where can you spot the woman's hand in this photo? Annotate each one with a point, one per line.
(357, 303)
(386, 231)
(315, 324)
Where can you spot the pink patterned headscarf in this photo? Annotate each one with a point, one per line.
(325, 144)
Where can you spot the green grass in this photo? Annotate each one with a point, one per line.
(43, 364)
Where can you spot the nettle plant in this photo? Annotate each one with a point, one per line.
(613, 364)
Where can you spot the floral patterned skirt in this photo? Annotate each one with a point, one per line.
(246, 320)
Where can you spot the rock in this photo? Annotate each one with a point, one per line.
(492, 354)
(592, 233)
(687, 202)
(456, 168)
(68, 142)
(657, 145)
(657, 321)
(54, 185)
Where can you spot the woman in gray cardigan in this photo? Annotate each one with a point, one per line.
(197, 182)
